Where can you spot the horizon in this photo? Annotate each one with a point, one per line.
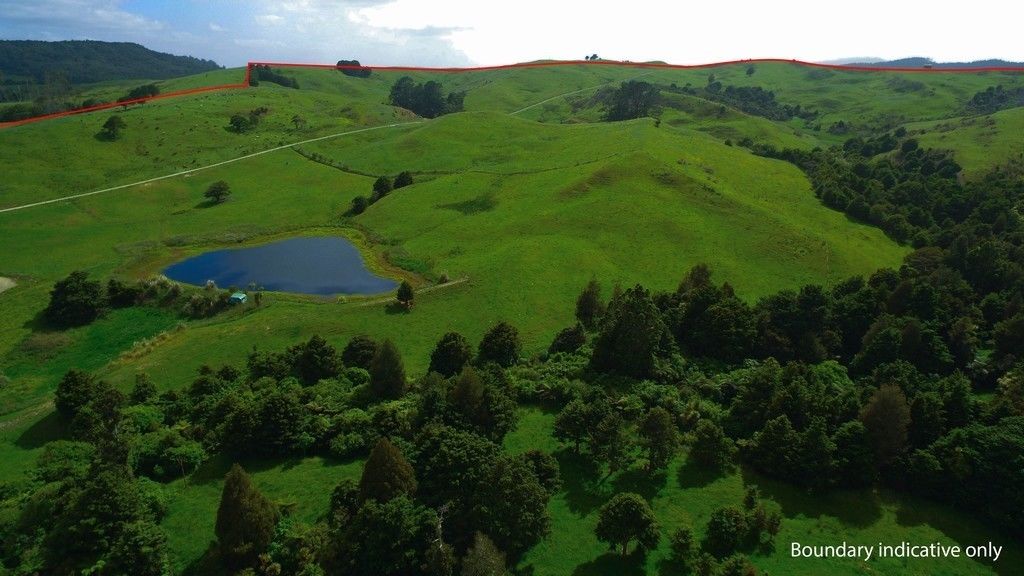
(454, 33)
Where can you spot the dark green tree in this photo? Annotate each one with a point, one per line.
(815, 462)
(589, 307)
(112, 128)
(726, 530)
(75, 301)
(772, 449)
(405, 295)
(545, 468)
(245, 520)
(927, 419)
(886, 417)
(568, 340)
(386, 474)
(450, 355)
(633, 99)
(683, 546)
(240, 123)
(144, 390)
(403, 179)
(451, 464)
(140, 550)
(572, 424)
(501, 345)
(359, 352)
(855, 456)
(218, 192)
(74, 391)
(659, 438)
(383, 539)
(387, 374)
(625, 518)
(632, 336)
(711, 447)
(381, 188)
(737, 565)
(315, 360)
(612, 444)
(511, 506)
(483, 558)
(359, 205)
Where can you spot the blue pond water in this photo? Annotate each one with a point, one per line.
(327, 265)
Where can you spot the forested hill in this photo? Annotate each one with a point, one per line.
(85, 61)
(919, 61)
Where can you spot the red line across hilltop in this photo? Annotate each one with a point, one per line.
(539, 64)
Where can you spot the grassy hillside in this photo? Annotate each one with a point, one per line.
(526, 196)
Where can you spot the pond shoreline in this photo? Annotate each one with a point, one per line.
(323, 265)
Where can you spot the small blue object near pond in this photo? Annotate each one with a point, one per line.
(324, 266)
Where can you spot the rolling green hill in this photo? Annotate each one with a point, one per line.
(522, 198)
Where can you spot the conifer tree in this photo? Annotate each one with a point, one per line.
(386, 474)
(406, 294)
(450, 355)
(387, 375)
(589, 307)
(501, 345)
(245, 520)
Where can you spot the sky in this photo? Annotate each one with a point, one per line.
(484, 32)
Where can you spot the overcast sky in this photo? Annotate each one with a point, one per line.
(456, 32)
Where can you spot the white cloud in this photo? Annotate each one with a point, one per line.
(214, 27)
(269, 19)
(81, 14)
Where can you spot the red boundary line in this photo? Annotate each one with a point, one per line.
(542, 64)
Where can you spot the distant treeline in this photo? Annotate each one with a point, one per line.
(427, 100)
(262, 72)
(750, 99)
(86, 61)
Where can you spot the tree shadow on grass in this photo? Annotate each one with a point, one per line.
(46, 429)
(206, 565)
(694, 475)
(581, 481)
(858, 508)
(214, 469)
(913, 511)
(640, 482)
(396, 308)
(208, 203)
(613, 564)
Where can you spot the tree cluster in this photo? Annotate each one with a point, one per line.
(427, 100)
(382, 186)
(632, 99)
(359, 72)
(77, 300)
(264, 73)
(750, 99)
(240, 123)
(140, 93)
(995, 98)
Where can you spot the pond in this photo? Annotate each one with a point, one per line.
(315, 265)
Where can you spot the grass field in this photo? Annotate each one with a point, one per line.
(528, 207)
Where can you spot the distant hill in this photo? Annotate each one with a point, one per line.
(85, 61)
(917, 62)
